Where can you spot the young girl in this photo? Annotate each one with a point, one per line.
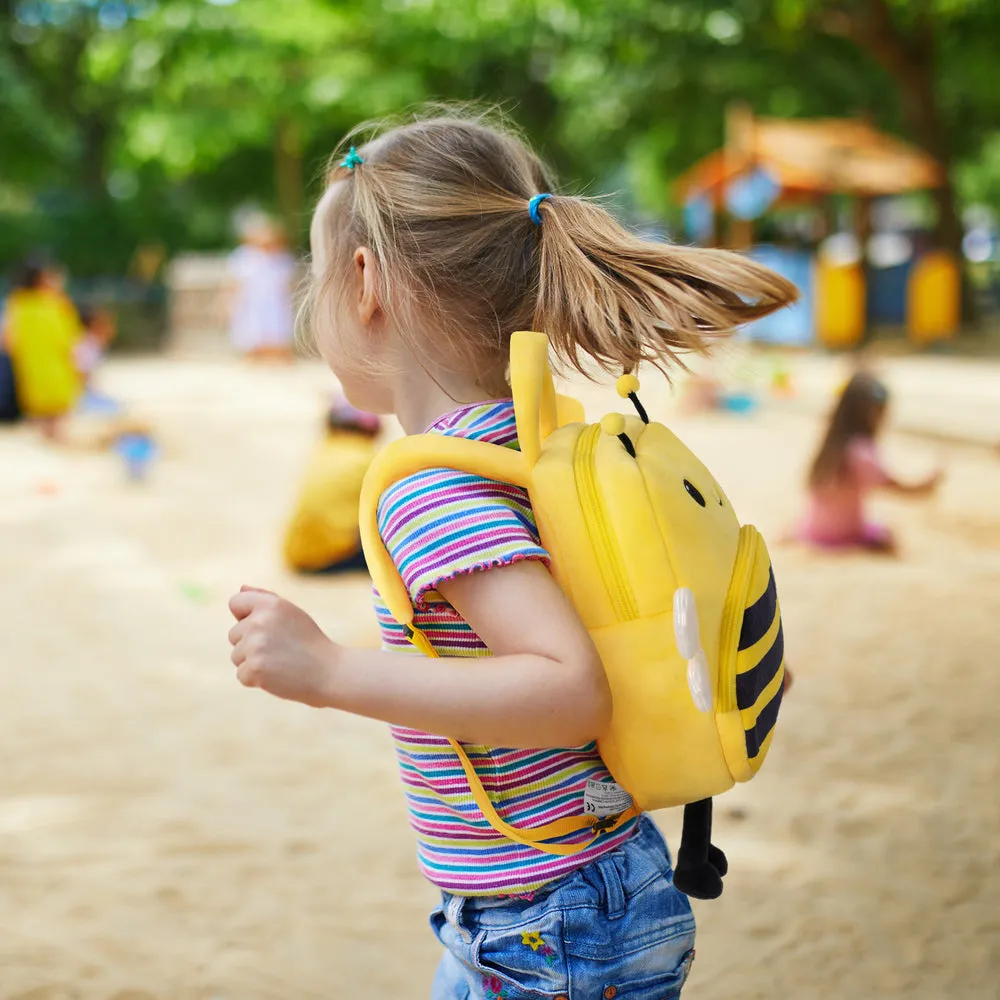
(847, 468)
(98, 331)
(432, 244)
(41, 330)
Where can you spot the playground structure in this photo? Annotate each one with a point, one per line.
(774, 164)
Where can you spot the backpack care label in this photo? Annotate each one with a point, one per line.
(605, 798)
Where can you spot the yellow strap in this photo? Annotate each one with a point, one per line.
(534, 836)
(530, 836)
(419, 452)
(403, 458)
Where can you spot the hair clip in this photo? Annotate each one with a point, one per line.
(352, 160)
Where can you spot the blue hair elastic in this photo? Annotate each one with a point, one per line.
(533, 207)
(352, 160)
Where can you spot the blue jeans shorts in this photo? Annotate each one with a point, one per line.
(616, 929)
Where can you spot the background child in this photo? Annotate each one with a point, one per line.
(98, 332)
(848, 467)
(323, 534)
(261, 291)
(431, 245)
(41, 330)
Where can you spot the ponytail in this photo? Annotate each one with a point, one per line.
(607, 294)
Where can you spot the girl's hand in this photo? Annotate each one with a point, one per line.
(935, 479)
(278, 647)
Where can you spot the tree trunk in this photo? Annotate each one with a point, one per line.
(94, 134)
(923, 117)
(909, 59)
(288, 176)
(928, 128)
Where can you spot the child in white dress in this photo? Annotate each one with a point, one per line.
(262, 279)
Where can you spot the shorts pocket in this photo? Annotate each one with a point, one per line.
(654, 987)
(523, 960)
(658, 920)
(643, 954)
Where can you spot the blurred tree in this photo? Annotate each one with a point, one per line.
(70, 71)
(124, 122)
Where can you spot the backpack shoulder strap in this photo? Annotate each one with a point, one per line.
(406, 457)
(535, 836)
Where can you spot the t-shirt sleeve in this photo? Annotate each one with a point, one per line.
(439, 524)
(865, 463)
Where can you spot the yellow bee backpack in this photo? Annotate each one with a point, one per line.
(678, 597)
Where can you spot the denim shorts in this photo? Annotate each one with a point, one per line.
(616, 929)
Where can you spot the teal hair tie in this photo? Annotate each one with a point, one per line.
(533, 207)
(353, 159)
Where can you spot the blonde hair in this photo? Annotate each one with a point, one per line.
(443, 204)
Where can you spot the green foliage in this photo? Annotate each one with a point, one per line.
(128, 122)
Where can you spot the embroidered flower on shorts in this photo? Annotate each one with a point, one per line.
(494, 988)
(533, 940)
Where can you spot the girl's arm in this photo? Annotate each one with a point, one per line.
(870, 471)
(922, 488)
(544, 686)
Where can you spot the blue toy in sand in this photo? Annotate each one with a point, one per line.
(137, 450)
(738, 402)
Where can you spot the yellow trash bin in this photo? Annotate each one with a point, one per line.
(840, 304)
(934, 298)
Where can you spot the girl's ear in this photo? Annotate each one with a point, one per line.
(366, 285)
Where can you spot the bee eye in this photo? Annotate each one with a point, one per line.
(694, 492)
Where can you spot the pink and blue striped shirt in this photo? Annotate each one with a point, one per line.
(436, 525)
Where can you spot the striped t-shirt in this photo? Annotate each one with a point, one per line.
(436, 525)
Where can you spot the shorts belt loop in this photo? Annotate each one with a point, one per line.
(614, 893)
(453, 914)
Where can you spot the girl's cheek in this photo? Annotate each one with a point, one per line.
(337, 346)
(365, 391)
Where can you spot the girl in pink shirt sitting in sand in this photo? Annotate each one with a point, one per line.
(847, 467)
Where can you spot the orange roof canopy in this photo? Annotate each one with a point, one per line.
(812, 157)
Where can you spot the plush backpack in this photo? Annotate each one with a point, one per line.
(679, 599)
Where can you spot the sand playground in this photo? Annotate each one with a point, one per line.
(167, 835)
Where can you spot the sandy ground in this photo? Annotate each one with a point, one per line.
(166, 834)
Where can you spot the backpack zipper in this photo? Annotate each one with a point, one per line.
(602, 538)
(732, 617)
